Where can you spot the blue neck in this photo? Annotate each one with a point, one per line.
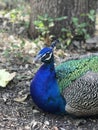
(45, 91)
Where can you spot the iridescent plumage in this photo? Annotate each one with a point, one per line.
(70, 70)
(71, 87)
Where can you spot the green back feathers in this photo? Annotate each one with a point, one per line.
(70, 70)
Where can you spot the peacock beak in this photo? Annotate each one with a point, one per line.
(37, 58)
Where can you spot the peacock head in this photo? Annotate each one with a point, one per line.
(46, 54)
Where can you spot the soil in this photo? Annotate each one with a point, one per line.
(18, 112)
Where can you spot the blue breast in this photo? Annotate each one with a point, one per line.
(45, 91)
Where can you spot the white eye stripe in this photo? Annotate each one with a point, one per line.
(49, 57)
(43, 55)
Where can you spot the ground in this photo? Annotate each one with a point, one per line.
(17, 110)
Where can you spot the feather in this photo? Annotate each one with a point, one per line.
(69, 88)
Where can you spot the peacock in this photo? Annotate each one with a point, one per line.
(69, 88)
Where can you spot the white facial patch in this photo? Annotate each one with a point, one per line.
(47, 56)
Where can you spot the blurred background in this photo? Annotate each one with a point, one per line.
(26, 25)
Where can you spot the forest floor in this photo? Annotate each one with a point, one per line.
(17, 110)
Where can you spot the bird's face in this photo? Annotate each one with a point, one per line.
(45, 55)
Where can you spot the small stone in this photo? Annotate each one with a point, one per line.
(62, 128)
(26, 66)
(5, 96)
(35, 111)
(27, 127)
(55, 128)
(46, 123)
(33, 124)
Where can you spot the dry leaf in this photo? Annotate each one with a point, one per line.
(5, 77)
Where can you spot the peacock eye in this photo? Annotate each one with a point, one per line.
(47, 56)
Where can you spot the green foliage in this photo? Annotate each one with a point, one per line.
(14, 14)
(78, 28)
(91, 15)
(44, 23)
(67, 35)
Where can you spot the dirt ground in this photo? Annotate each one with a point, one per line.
(17, 110)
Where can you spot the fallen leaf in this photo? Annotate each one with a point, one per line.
(5, 77)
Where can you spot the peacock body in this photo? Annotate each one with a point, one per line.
(71, 87)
